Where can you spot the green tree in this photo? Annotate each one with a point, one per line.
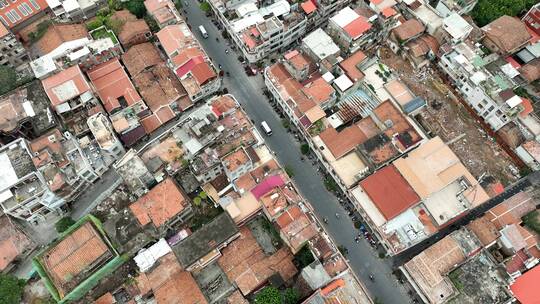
(268, 295)
(197, 201)
(11, 289)
(63, 224)
(8, 79)
(291, 296)
(304, 257)
(289, 170)
(205, 7)
(136, 7)
(488, 10)
(304, 148)
(203, 195)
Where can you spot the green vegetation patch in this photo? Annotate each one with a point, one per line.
(488, 10)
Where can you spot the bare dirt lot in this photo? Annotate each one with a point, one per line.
(447, 118)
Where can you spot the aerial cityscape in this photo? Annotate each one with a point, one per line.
(269, 151)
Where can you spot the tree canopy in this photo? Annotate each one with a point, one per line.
(136, 7)
(63, 224)
(269, 295)
(8, 79)
(488, 10)
(11, 289)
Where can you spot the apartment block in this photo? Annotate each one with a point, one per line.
(12, 53)
(75, 10)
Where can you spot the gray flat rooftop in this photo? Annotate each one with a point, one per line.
(204, 240)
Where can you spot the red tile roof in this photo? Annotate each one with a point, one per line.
(156, 120)
(57, 34)
(357, 27)
(389, 12)
(350, 65)
(328, 289)
(159, 205)
(525, 288)
(112, 82)
(389, 191)
(20, 17)
(308, 7)
(341, 143)
(65, 85)
(71, 256)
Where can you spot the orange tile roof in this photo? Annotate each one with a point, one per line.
(525, 288)
(319, 90)
(172, 38)
(389, 12)
(171, 284)
(297, 59)
(156, 120)
(308, 6)
(235, 160)
(73, 255)
(511, 210)
(336, 284)
(357, 27)
(390, 192)
(141, 57)
(245, 263)
(57, 34)
(409, 29)
(296, 227)
(485, 230)
(186, 54)
(105, 299)
(65, 85)
(203, 73)
(112, 82)
(161, 204)
(507, 33)
(350, 65)
(3, 30)
(341, 143)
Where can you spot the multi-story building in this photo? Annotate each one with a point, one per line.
(163, 11)
(64, 45)
(318, 12)
(447, 7)
(135, 174)
(71, 97)
(189, 61)
(24, 192)
(103, 132)
(261, 30)
(12, 53)
(489, 93)
(351, 30)
(532, 18)
(16, 15)
(506, 35)
(75, 10)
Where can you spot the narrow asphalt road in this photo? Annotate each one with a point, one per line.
(248, 90)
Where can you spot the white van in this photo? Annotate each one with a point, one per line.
(203, 31)
(266, 128)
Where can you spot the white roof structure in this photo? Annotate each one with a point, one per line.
(456, 26)
(514, 101)
(250, 15)
(320, 44)
(70, 5)
(343, 82)
(8, 176)
(146, 258)
(328, 77)
(344, 17)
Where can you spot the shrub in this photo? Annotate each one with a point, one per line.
(289, 171)
(11, 289)
(205, 7)
(304, 148)
(291, 296)
(268, 295)
(63, 224)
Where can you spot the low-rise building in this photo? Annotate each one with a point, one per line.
(13, 53)
(163, 11)
(103, 132)
(120, 99)
(162, 206)
(343, 289)
(75, 10)
(319, 46)
(506, 35)
(296, 227)
(74, 264)
(71, 97)
(25, 112)
(134, 173)
(189, 61)
(132, 31)
(524, 288)
(404, 33)
(457, 28)
(204, 245)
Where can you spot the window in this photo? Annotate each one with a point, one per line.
(11, 17)
(23, 10)
(15, 14)
(34, 4)
(27, 7)
(3, 20)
